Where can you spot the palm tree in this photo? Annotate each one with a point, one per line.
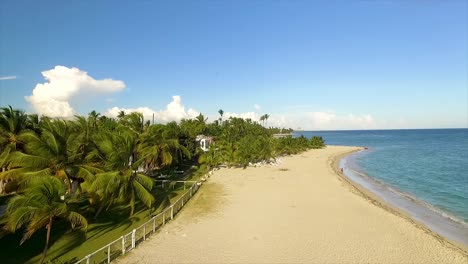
(121, 182)
(121, 114)
(39, 206)
(52, 153)
(210, 159)
(158, 148)
(33, 123)
(93, 117)
(12, 123)
(266, 118)
(201, 118)
(221, 112)
(134, 121)
(262, 119)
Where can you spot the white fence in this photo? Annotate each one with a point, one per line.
(129, 241)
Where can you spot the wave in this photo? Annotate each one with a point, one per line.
(410, 197)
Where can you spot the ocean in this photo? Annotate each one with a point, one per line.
(424, 172)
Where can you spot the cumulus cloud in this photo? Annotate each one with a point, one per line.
(174, 111)
(4, 78)
(257, 107)
(53, 97)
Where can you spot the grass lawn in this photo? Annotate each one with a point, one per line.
(68, 246)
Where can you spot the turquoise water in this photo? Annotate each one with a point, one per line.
(427, 165)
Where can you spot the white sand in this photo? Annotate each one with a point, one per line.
(305, 214)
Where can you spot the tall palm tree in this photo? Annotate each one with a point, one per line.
(121, 182)
(39, 206)
(221, 112)
(262, 119)
(93, 117)
(121, 114)
(266, 118)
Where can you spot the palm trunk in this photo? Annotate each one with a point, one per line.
(44, 253)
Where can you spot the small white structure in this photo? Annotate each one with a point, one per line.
(205, 142)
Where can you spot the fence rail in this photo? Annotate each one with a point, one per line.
(129, 241)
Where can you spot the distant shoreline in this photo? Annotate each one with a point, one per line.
(379, 129)
(301, 211)
(378, 201)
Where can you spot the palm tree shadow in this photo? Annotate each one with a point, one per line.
(111, 220)
(129, 222)
(163, 198)
(74, 238)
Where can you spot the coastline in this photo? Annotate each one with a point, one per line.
(377, 201)
(300, 211)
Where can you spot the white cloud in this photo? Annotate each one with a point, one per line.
(257, 107)
(174, 111)
(318, 120)
(4, 78)
(63, 84)
(251, 115)
(322, 121)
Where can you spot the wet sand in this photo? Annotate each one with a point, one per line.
(300, 211)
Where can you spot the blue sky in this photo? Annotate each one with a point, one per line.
(309, 64)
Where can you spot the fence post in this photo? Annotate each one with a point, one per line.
(184, 199)
(108, 254)
(123, 245)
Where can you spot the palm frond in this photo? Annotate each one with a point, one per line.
(77, 220)
(36, 223)
(85, 173)
(106, 182)
(144, 180)
(19, 159)
(18, 218)
(12, 174)
(38, 173)
(4, 155)
(143, 194)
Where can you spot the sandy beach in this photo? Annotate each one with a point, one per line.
(300, 211)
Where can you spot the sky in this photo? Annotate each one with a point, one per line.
(316, 65)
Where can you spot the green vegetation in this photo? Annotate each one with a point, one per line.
(42, 202)
(96, 172)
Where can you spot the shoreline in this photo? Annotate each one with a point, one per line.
(298, 211)
(373, 198)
